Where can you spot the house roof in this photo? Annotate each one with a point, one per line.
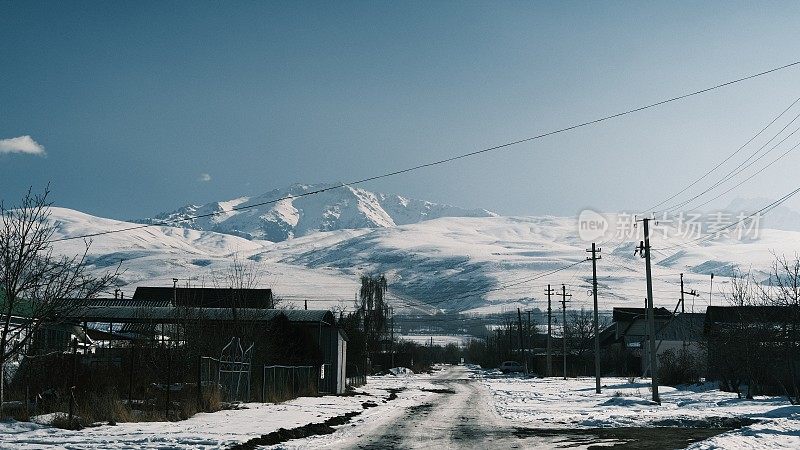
(116, 302)
(207, 297)
(733, 314)
(629, 314)
(686, 326)
(168, 314)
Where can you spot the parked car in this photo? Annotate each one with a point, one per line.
(510, 366)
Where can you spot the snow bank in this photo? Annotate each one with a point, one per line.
(401, 371)
(557, 403)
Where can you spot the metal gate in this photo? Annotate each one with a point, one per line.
(230, 373)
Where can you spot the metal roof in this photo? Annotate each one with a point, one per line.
(751, 314)
(628, 314)
(168, 314)
(207, 297)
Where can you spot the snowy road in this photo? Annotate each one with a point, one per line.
(457, 417)
(459, 407)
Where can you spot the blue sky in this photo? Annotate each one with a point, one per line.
(142, 107)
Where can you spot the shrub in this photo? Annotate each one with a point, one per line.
(677, 368)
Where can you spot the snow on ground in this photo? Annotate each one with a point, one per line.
(524, 402)
(224, 428)
(558, 403)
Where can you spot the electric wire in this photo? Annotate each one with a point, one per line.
(437, 162)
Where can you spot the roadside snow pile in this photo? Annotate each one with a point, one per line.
(557, 403)
(401, 371)
(223, 429)
(626, 401)
(779, 428)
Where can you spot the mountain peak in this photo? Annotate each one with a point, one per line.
(297, 214)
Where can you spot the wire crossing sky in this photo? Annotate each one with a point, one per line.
(185, 218)
(130, 109)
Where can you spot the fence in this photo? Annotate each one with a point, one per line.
(356, 381)
(355, 378)
(281, 383)
(230, 373)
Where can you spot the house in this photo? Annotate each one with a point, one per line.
(754, 346)
(282, 337)
(628, 337)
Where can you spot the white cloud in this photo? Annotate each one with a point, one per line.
(204, 177)
(22, 144)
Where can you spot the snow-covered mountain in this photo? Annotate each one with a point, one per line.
(476, 265)
(341, 208)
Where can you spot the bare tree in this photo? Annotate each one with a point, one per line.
(783, 291)
(36, 285)
(240, 276)
(579, 332)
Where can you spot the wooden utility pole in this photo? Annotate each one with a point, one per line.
(711, 289)
(693, 293)
(74, 380)
(521, 342)
(644, 251)
(549, 292)
(594, 251)
(564, 324)
(391, 311)
(529, 341)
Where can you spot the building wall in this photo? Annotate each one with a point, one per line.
(342, 366)
(692, 347)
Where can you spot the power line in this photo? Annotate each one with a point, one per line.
(441, 161)
(724, 160)
(748, 178)
(739, 169)
(500, 288)
(763, 211)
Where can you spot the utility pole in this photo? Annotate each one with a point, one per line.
(711, 289)
(549, 292)
(391, 311)
(521, 342)
(594, 251)
(564, 324)
(644, 252)
(510, 339)
(693, 293)
(529, 339)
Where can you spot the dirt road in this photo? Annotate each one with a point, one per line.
(461, 415)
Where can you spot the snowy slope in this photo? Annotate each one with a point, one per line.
(341, 208)
(477, 265)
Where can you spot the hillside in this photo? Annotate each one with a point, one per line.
(478, 265)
